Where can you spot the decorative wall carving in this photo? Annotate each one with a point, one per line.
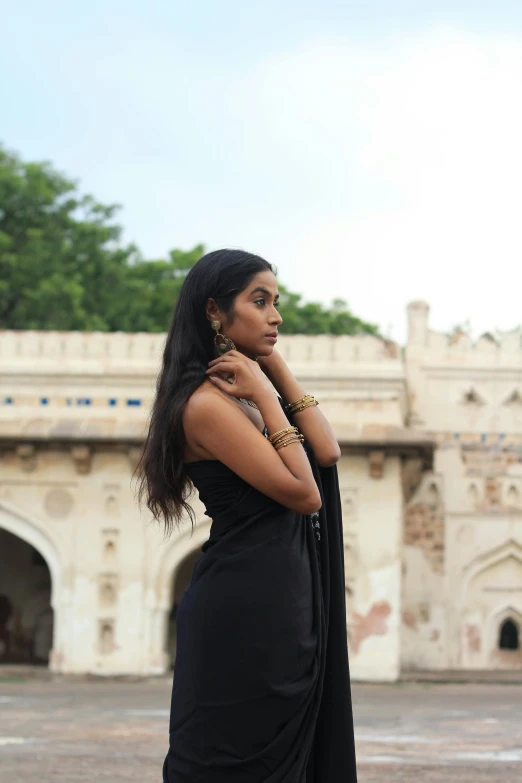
(58, 503)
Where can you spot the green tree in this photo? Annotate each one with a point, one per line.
(314, 318)
(62, 265)
(59, 255)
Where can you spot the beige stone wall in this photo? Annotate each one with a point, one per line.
(469, 397)
(112, 574)
(372, 519)
(73, 411)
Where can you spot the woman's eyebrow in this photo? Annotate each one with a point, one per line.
(263, 291)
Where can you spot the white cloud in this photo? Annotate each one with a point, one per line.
(413, 159)
(379, 173)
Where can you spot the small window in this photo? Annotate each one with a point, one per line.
(509, 637)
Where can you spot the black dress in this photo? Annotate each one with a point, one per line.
(261, 690)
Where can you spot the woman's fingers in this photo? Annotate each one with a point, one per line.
(222, 367)
(228, 356)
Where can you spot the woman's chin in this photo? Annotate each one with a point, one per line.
(265, 350)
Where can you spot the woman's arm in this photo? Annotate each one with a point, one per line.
(216, 423)
(311, 422)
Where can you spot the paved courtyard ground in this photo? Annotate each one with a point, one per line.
(67, 730)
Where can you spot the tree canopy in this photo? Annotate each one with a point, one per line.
(63, 265)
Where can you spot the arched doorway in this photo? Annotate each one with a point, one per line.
(26, 616)
(181, 580)
(509, 635)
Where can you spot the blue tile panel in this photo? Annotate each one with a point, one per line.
(73, 401)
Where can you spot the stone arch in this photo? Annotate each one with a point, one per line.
(181, 546)
(511, 550)
(486, 602)
(504, 625)
(16, 522)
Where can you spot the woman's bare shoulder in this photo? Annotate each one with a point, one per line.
(205, 399)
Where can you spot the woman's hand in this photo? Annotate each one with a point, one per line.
(244, 376)
(271, 364)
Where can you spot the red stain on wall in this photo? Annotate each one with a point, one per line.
(473, 638)
(409, 619)
(371, 624)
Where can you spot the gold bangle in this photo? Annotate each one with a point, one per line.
(305, 405)
(306, 400)
(280, 433)
(292, 436)
(287, 442)
(284, 434)
(287, 437)
(299, 401)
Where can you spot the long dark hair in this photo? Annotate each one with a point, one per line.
(163, 482)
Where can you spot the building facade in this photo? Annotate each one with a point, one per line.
(431, 486)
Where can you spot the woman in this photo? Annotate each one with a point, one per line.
(261, 689)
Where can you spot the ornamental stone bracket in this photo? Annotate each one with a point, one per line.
(26, 454)
(82, 458)
(376, 463)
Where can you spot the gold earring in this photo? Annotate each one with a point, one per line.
(226, 343)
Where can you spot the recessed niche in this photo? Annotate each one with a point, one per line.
(509, 636)
(472, 397)
(106, 636)
(513, 497)
(110, 547)
(473, 496)
(515, 398)
(111, 506)
(108, 589)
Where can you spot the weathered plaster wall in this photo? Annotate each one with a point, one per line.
(372, 518)
(469, 397)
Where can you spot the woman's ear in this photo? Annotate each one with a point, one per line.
(211, 310)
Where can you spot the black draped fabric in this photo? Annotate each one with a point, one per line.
(261, 690)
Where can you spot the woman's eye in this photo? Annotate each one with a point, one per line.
(263, 302)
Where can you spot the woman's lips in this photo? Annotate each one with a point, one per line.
(272, 339)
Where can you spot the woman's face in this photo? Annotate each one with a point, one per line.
(255, 316)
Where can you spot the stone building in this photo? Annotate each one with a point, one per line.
(431, 485)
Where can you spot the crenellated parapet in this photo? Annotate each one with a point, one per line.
(79, 385)
(490, 349)
(459, 385)
(93, 351)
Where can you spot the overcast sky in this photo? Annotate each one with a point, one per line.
(371, 150)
